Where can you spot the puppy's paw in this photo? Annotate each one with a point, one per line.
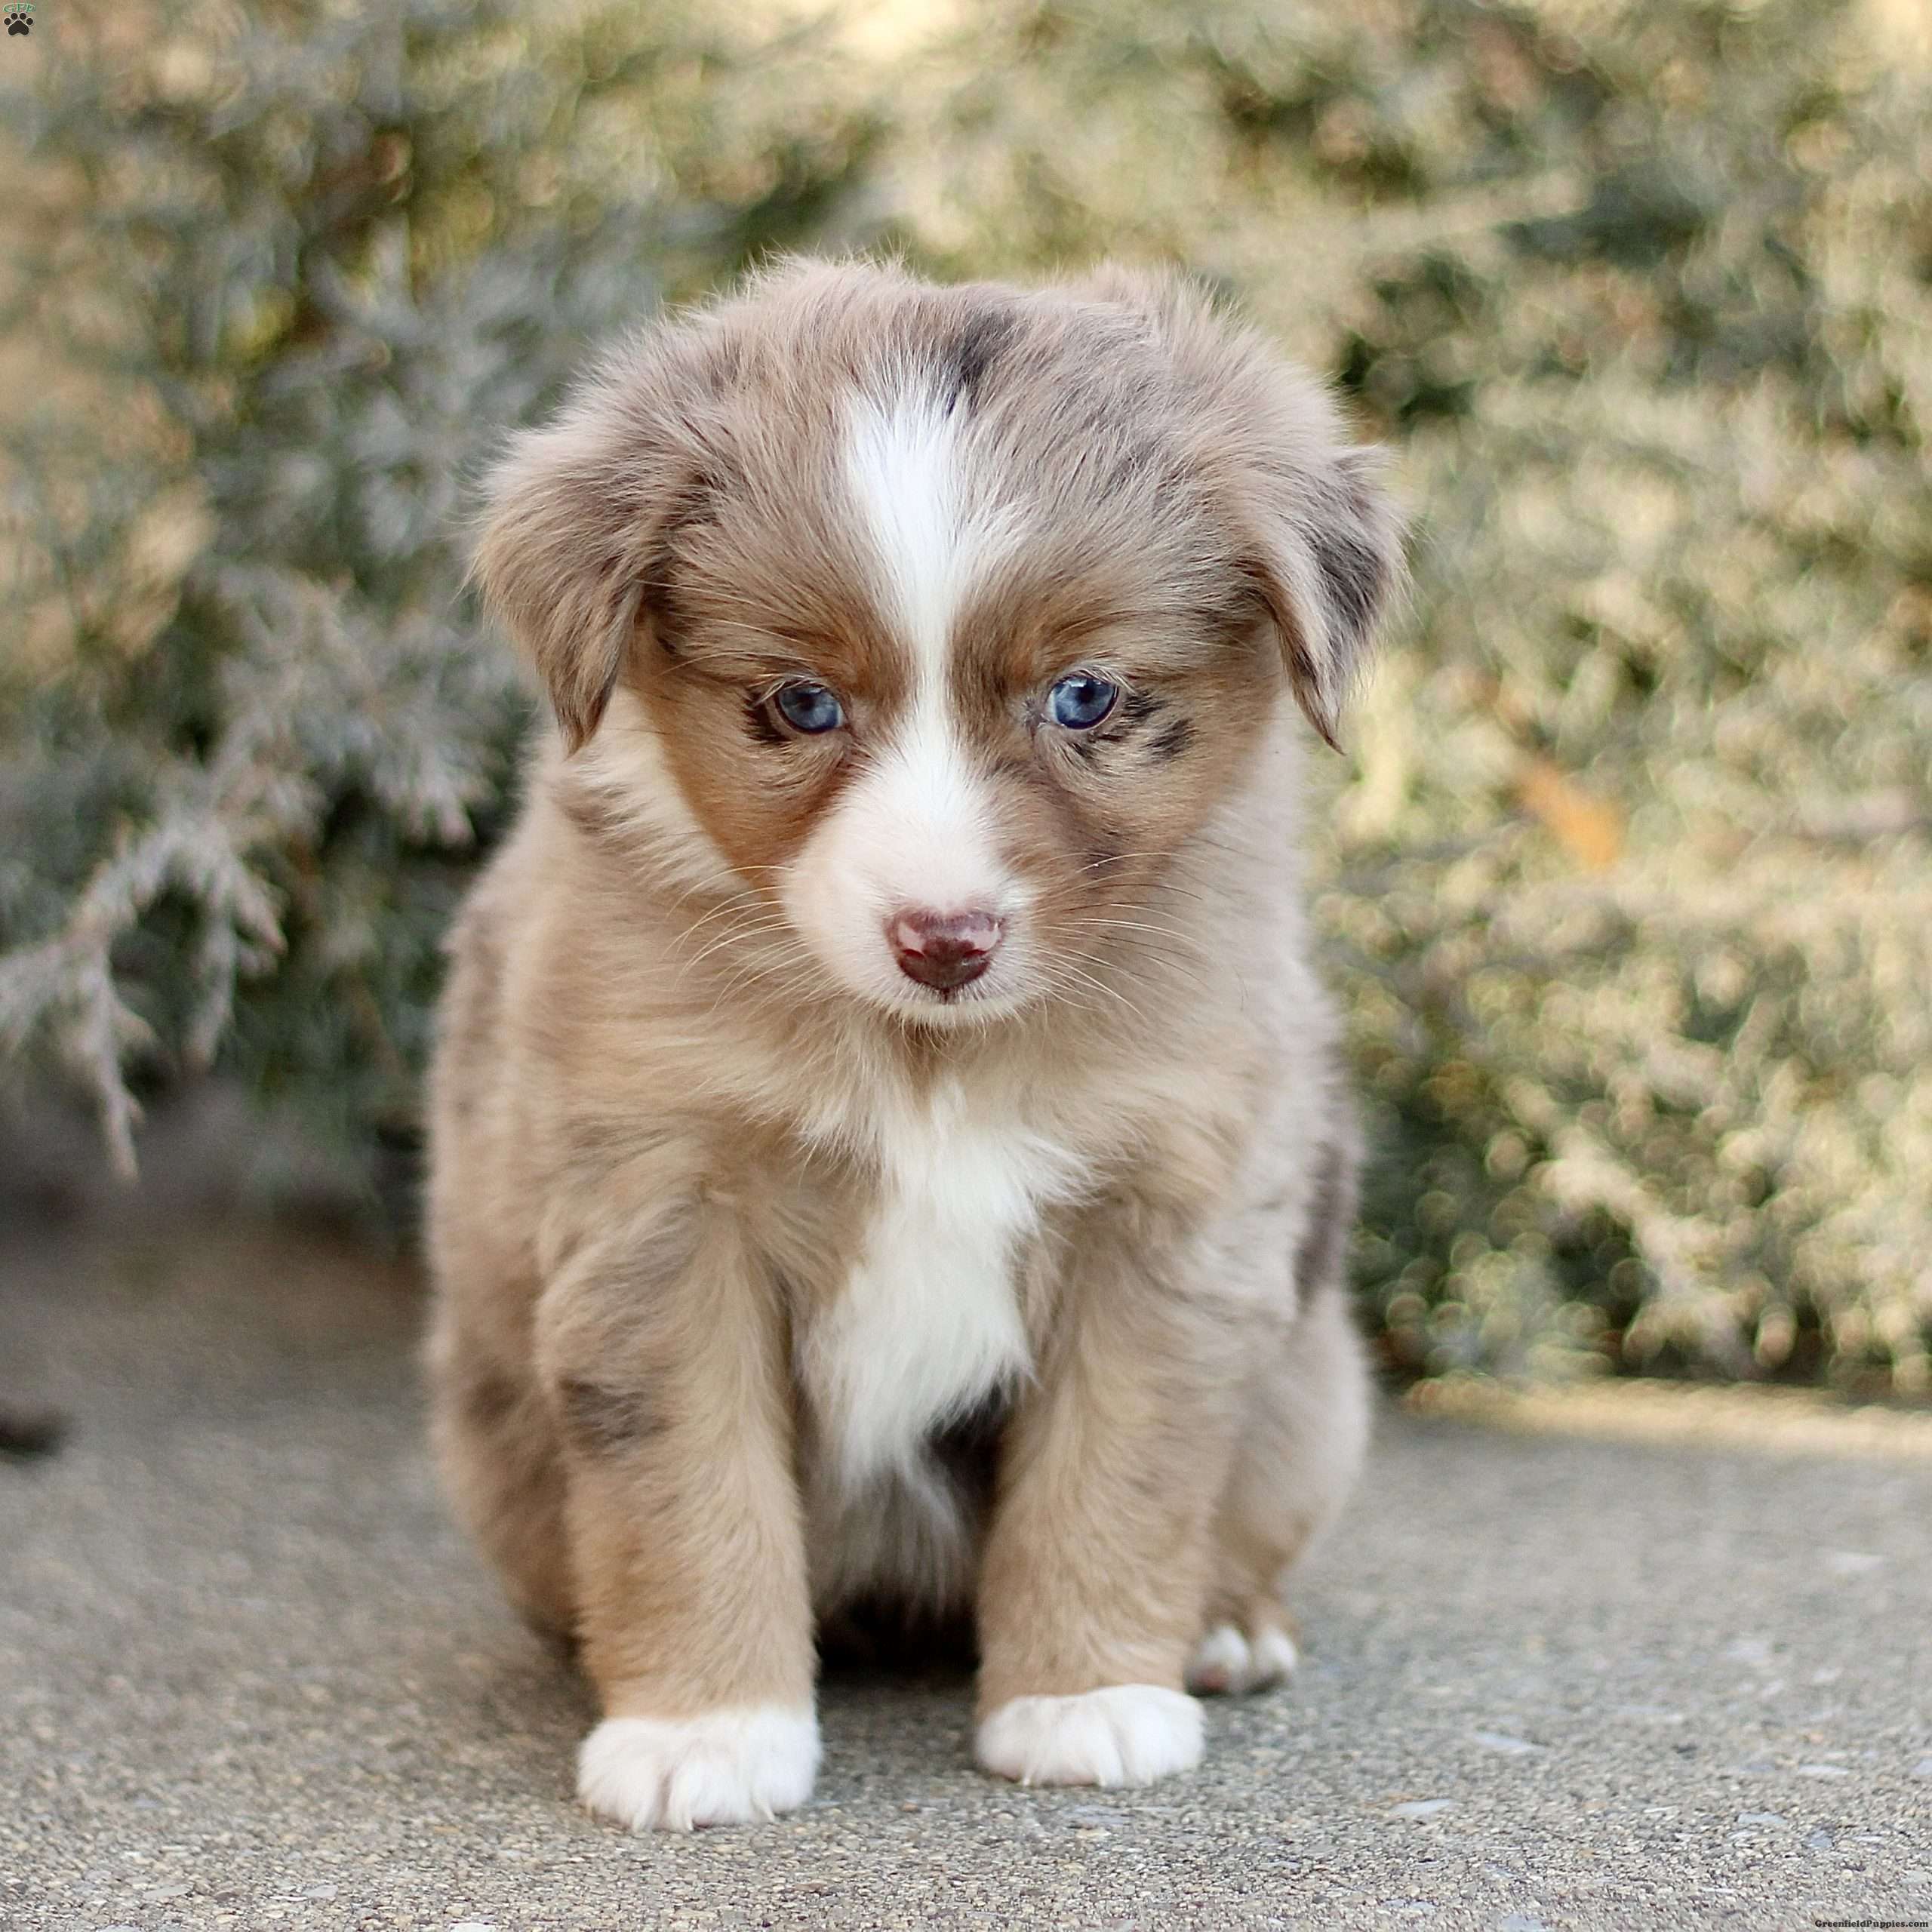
(1126, 1734)
(725, 1768)
(1236, 1661)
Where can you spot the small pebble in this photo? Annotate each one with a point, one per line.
(1498, 1740)
(1852, 1562)
(25, 1433)
(1923, 1769)
(1759, 1818)
(1422, 1807)
(1823, 1771)
(1093, 1814)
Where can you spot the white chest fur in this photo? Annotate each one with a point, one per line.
(929, 1321)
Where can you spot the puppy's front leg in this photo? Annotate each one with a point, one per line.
(665, 1356)
(1095, 1575)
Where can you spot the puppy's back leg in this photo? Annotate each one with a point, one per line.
(1306, 1432)
(495, 1442)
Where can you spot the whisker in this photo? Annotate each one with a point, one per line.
(1168, 961)
(759, 929)
(1141, 982)
(1140, 926)
(1061, 965)
(747, 978)
(730, 906)
(730, 939)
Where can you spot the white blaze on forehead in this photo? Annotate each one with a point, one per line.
(903, 463)
(918, 829)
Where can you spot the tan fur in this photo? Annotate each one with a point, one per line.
(659, 1130)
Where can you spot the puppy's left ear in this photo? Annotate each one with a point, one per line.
(1315, 532)
(1325, 552)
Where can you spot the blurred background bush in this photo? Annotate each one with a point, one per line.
(1629, 878)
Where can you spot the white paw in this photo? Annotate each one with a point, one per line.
(1128, 1734)
(725, 1768)
(1226, 1659)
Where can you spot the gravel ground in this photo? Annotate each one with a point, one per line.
(250, 1675)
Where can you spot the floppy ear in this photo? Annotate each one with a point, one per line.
(574, 521)
(1315, 533)
(1326, 555)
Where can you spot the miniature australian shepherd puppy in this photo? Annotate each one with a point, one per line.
(888, 1148)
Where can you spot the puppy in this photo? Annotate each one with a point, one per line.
(887, 1144)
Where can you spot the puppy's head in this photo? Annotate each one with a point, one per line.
(952, 613)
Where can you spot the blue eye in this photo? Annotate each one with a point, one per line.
(808, 708)
(1080, 701)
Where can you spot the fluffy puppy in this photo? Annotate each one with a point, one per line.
(888, 1143)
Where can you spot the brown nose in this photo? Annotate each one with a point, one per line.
(944, 950)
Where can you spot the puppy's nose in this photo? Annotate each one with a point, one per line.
(944, 949)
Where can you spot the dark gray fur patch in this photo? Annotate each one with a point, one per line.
(601, 1420)
(1173, 740)
(968, 1447)
(1355, 574)
(489, 1397)
(968, 359)
(1320, 1258)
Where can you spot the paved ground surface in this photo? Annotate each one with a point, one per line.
(250, 1676)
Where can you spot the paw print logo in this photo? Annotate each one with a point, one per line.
(19, 20)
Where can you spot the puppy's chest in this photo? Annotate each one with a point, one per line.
(928, 1321)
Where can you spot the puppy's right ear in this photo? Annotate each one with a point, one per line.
(572, 527)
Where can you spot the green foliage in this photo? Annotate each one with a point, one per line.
(1631, 879)
(287, 281)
